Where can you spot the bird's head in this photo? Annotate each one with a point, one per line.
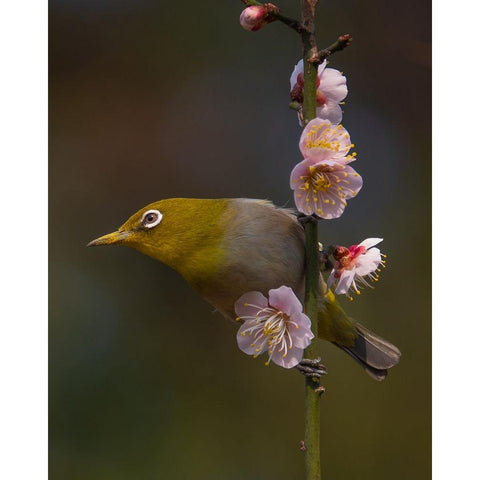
(180, 232)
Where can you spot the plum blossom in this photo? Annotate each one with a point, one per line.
(275, 325)
(323, 187)
(358, 263)
(331, 90)
(255, 17)
(321, 140)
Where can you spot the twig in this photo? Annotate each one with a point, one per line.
(311, 60)
(315, 288)
(342, 43)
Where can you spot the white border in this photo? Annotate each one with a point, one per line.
(456, 316)
(23, 237)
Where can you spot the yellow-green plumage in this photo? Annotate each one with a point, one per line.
(227, 247)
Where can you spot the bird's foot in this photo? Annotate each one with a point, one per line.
(314, 370)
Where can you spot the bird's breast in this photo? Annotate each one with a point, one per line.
(263, 248)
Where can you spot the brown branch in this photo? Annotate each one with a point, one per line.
(311, 53)
(306, 29)
(342, 43)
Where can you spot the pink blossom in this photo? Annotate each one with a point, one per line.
(355, 264)
(255, 17)
(322, 188)
(321, 140)
(275, 325)
(331, 90)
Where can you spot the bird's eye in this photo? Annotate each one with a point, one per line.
(151, 218)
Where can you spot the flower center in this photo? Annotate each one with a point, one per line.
(347, 261)
(320, 182)
(273, 325)
(270, 329)
(324, 140)
(356, 250)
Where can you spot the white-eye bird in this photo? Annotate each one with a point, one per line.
(227, 247)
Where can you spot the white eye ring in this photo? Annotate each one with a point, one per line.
(152, 222)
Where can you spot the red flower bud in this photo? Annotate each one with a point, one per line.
(255, 17)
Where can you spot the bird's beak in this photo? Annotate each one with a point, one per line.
(110, 239)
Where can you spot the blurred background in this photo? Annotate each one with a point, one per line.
(156, 99)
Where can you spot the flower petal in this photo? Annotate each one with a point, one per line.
(300, 169)
(345, 281)
(321, 68)
(285, 300)
(333, 84)
(245, 340)
(368, 262)
(370, 242)
(330, 111)
(249, 304)
(329, 211)
(291, 359)
(296, 71)
(301, 336)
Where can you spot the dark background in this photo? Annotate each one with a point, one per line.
(156, 99)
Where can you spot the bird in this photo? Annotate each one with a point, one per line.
(226, 247)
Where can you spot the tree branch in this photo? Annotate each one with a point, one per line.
(342, 43)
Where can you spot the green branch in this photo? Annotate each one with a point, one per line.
(311, 60)
(315, 288)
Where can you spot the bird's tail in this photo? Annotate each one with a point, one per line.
(372, 352)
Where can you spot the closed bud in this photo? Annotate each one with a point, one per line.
(255, 17)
